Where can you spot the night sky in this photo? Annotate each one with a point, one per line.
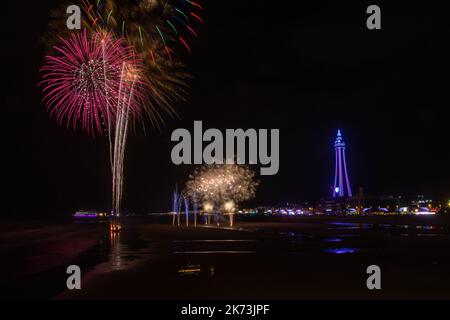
(307, 69)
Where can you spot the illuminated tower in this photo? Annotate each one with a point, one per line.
(340, 172)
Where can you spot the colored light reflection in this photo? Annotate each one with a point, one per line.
(85, 215)
(332, 240)
(424, 213)
(341, 250)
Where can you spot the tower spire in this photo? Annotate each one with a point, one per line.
(341, 181)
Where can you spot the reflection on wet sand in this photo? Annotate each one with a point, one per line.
(214, 252)
(282, 258)
(123, 254)
(341, 250)
(116, 251)
(217, 240)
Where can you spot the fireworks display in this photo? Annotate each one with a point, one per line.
(221, 185)
(156, 29)
(83, 82)
(122, 64)
(143, 22)
(160, 32)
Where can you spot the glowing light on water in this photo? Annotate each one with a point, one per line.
(341, 250)
(424, 213)
(332, 240)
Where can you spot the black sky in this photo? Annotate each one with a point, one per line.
(307, 68)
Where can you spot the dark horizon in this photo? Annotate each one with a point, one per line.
(307, 69)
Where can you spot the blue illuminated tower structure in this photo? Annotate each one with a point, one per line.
(341, 182)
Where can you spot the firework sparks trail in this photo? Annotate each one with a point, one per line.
(220, 184)
(115, 205)
(145, 21)
(81, 81)
(108, 111)
(96, 81)
(88, 85)
(121, 132)
(122, 139)
(155, 28)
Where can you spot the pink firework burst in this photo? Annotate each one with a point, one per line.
(90, 78)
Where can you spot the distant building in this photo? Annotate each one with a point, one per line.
(337, 203)
(341, 186)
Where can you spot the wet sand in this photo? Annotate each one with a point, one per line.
(298, 258)
(311, 258)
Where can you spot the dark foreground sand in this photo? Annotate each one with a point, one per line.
(303, 258)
